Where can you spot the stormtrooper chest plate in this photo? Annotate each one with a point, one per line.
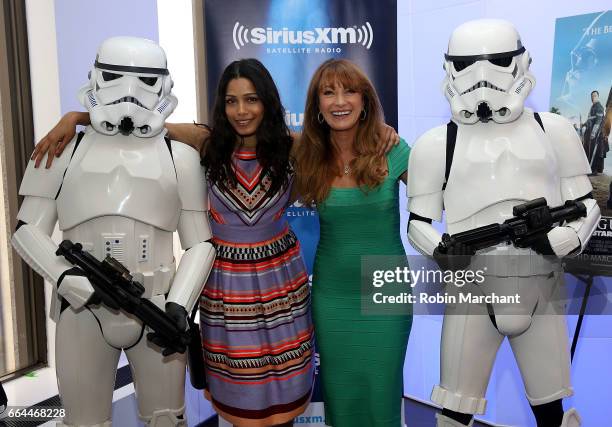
(495, 163)
(120, 176)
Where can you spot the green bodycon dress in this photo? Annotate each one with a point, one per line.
(362, 355)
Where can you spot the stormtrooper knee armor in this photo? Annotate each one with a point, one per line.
(122, 189)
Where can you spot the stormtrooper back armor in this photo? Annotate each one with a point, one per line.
(122, 189)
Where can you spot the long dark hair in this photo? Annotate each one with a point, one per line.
(273, 138)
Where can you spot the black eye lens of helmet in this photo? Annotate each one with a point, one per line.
(502, 62)
(110, 76)
(460, 65)
(148, 80)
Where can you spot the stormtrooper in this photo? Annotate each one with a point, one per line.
(493, 155)
(122, 191)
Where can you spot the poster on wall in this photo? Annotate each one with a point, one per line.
(292, 39)
(581, 91)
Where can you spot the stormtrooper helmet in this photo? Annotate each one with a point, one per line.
(129, 89)
(487, 72)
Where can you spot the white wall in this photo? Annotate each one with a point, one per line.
(80, 28)
(176, 37)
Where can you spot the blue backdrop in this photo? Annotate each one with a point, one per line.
(292, 38)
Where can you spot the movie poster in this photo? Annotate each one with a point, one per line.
(581, 91)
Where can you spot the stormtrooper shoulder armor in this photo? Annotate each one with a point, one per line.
(41, 182)
(191, 177)
(566, 144)
(426, 168)
(428, 154)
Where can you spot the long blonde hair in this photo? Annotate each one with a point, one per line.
(316, 161)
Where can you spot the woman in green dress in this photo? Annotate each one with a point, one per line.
(355, 189)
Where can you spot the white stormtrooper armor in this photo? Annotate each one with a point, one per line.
(502, 157)
(120, 190)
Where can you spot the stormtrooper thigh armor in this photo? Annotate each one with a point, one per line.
(470, 341)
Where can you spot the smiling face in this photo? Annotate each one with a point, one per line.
(341, 106)
(243, 107)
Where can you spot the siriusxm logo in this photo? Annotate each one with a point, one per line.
(315, 419)
(363, 35)
(294, 120)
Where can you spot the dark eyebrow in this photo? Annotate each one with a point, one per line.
(228, 95)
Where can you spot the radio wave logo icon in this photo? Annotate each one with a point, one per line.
(240, 34)
(365, 35)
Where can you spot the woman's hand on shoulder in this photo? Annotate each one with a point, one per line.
(56, 140)
(386, 138)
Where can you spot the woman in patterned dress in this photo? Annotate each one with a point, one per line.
(255, 307)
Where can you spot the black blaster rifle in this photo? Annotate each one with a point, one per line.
(115, 287)
(531, 220)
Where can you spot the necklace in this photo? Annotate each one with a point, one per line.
(347, 169)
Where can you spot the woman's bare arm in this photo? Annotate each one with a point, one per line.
(191, 134)
(56, 140)
(62, 133)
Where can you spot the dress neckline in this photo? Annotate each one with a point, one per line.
(358, 187)
(245, 154)
(344, 188)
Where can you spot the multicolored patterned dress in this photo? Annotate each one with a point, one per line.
(255, 308)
